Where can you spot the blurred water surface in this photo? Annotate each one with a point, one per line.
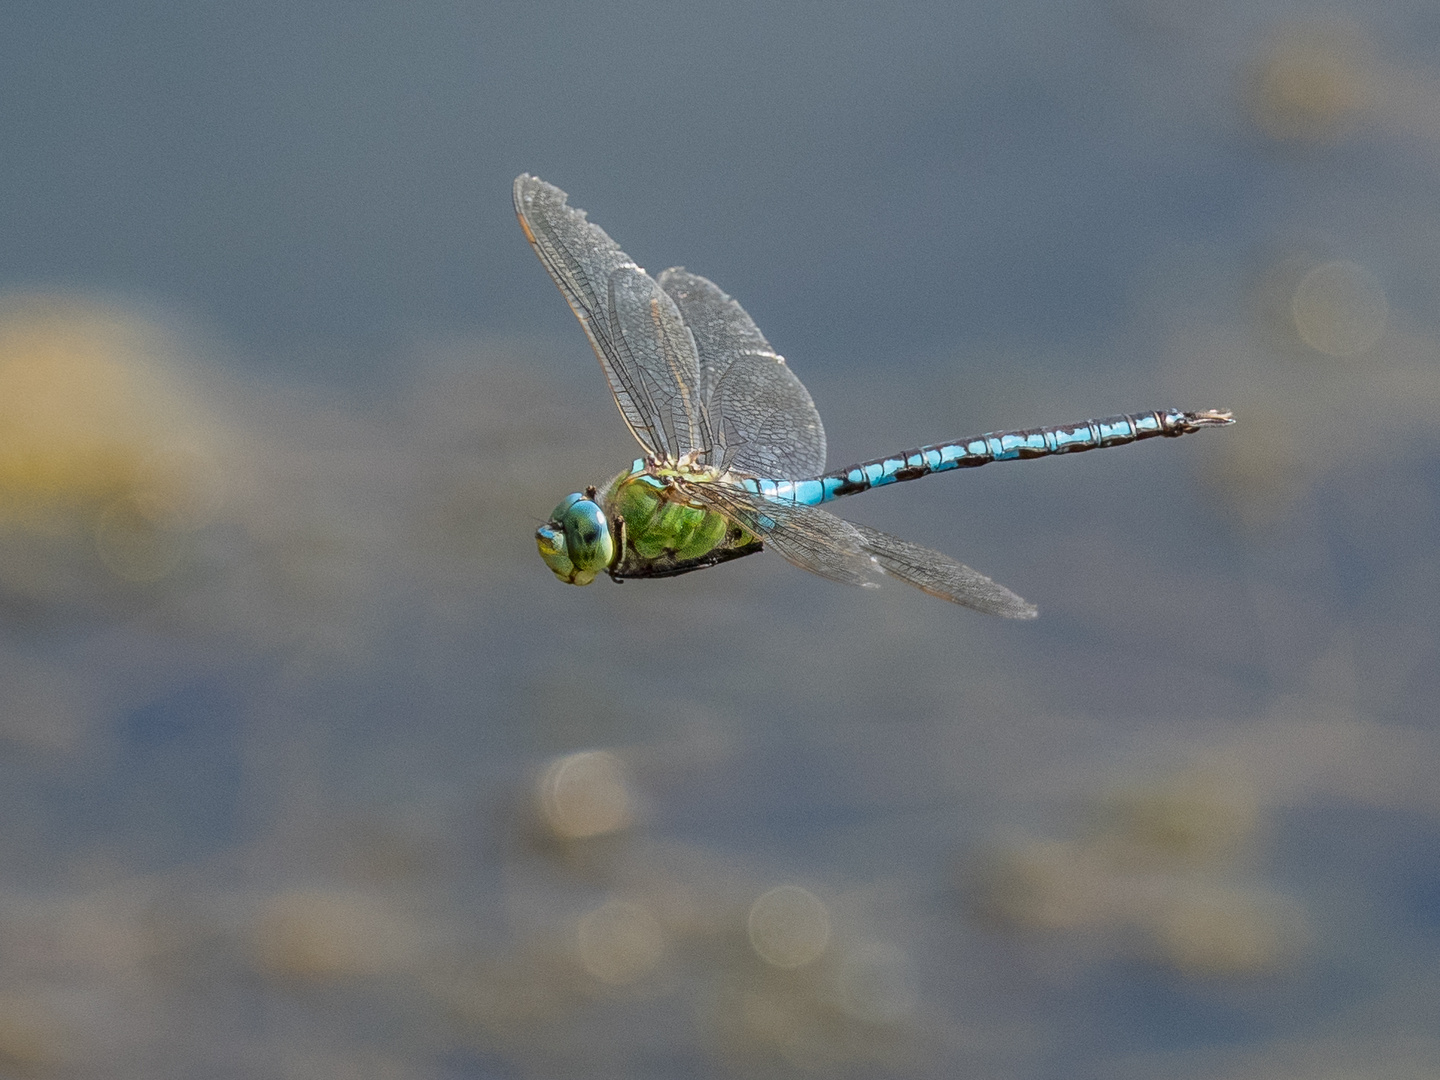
(310, 768)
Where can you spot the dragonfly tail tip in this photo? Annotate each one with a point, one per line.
(1212, 418)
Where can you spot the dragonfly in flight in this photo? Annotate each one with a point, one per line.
(734, 451)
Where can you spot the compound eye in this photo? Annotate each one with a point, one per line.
(557, 516)
(588, 542)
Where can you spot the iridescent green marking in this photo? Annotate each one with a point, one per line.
(639, 525)
(658, 523)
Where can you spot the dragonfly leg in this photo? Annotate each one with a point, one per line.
(619, 556)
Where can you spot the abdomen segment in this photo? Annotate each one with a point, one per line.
(983, 449)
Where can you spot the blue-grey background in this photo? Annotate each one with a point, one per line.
(285, 692)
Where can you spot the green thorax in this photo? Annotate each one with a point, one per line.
(663, 534)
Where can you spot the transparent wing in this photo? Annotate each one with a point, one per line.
(657, 360)
(939, 575)
(818, 541)
(648, 355)
(812, 539)
(761, 415)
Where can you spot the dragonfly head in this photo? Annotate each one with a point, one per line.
(577, 542)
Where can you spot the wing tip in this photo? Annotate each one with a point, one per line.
(521, 188)
(527, 186)
(1007, 607)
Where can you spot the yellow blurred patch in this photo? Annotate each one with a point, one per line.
(1314, 83)
(324, 934)
(71, 407)
(100, 447)
(31, 1039)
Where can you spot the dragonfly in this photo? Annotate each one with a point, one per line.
(734, 450)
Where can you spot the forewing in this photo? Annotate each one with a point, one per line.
(655, 349)
(761, 416)
(607, 291)
(939, 575)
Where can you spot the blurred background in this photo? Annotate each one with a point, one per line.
(309, 767)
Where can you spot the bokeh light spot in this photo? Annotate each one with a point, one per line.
(619, 942)
(789, 926)
(585, 794)
(1340, 309)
